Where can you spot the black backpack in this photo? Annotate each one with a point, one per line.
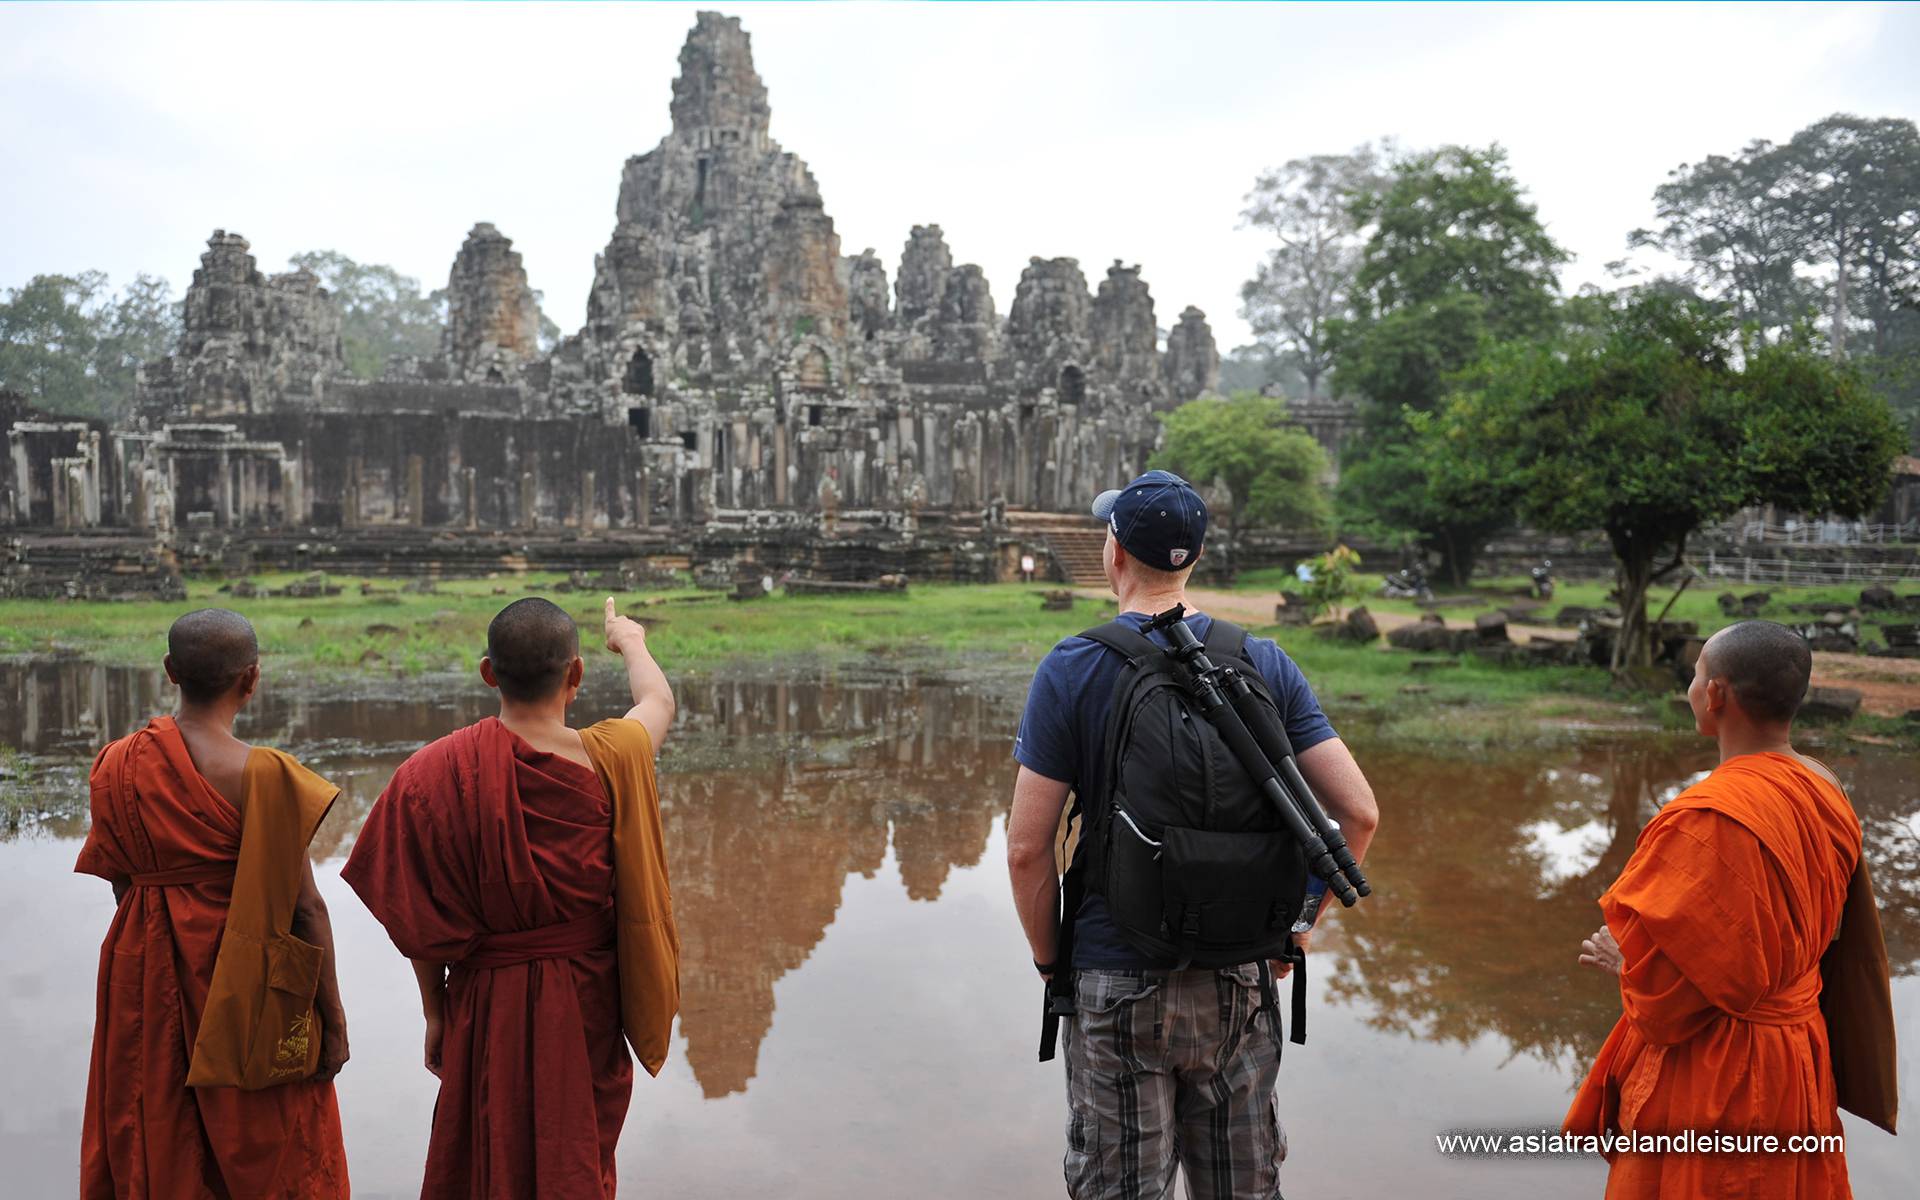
(1196, 865)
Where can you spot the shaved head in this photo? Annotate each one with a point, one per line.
(1767, 666)
(531, 643)
(207, 652)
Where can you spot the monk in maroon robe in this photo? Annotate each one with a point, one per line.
(490, 860)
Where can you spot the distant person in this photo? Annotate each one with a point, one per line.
(1026, 568)
(1744, 912)
(206, 1081)
(1166, 1067)
(519, 863)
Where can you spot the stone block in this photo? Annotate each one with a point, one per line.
(1830, 705)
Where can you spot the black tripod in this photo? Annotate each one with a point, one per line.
(1255, 735)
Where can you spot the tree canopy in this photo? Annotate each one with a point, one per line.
(1457, 259)
(382, 312)
(1303, 286)
(1648, 423)
(70, 345)
(1273, 469)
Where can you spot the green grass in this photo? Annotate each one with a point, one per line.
(998, 629)
(688, 629)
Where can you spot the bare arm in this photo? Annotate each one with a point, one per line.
(653, 704)
(1344, 792)
(432, 978)
(312, 923)
(1037, 804)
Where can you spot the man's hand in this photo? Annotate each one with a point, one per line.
(1600, 951)
(436, 1030)
(1282, 968)
(333, 1050)
(623, 631)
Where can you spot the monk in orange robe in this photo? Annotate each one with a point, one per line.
(496, 860)
(1716, 928)
(169, 806)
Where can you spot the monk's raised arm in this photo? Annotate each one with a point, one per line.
(653, 704)
(312, 923)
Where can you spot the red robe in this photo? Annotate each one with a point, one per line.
(1733, 893)
(145, 1133)
(497, 859)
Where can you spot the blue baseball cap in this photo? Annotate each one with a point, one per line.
(1158, 518)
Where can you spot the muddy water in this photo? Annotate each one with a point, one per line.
(859, 1017)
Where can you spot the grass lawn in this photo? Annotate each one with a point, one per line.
(997, 629)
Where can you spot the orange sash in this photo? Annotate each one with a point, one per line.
(259, 1027)
(645, 937)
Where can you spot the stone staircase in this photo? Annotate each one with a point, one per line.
(1078, 554)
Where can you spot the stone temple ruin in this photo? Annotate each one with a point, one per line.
(740, 389)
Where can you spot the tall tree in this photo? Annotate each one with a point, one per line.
(1727, 220)
(1852, 188)
(1649, 424)
(1457, 257)
(1272, 468)
(48, 337)
(1308, 205)
(139, 325)
(382, 312)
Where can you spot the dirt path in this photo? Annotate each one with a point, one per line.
(1888, 687)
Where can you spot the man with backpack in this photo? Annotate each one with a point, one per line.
(1184, 884)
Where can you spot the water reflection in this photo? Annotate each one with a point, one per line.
(1492, 866)
(813, 979)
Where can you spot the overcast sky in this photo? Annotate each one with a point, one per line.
(1099, 131)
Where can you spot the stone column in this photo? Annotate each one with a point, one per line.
(587, 499)
(226, 488)
(416, 490)
(529, 502)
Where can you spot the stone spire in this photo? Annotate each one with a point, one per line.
(1192, 364)
(925, 263)
(1126, 342)
(493, 322)
(718, 98)
(1047, 328)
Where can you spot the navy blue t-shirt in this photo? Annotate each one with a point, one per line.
(1066, 721)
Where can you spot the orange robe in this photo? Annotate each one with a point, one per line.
(160, 829)
(1733, 893)
(497, 859)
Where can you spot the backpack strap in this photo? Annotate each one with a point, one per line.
(1126, 641)
(1226, 640)
(1136, 648)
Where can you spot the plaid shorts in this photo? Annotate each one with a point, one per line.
(1171, 1069)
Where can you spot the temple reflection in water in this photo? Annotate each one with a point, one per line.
(775, 793)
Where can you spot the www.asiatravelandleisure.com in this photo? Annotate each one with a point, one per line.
(1488, 1143)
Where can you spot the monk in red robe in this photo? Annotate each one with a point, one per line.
(168, 804)
(1716, 929)
(491, 860)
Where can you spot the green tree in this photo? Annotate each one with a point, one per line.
(1827, 223)
(382, 312)
(71, 346)
(1308, 206)
(1724, 217)
(141, 324)
(48, 337)
(1457, 258)
(1852, 189)
(1648, 426)
(1272, 468)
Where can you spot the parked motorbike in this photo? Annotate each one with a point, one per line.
(1543, 580)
